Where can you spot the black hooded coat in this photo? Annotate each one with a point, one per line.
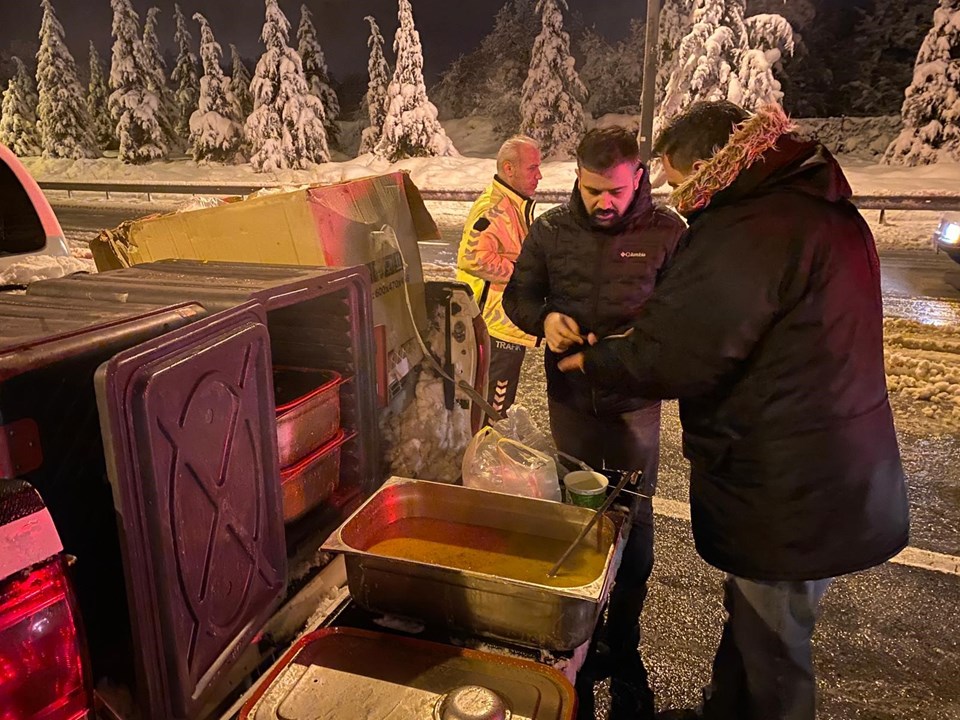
(768, 326)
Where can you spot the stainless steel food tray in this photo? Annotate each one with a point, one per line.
(473, 603)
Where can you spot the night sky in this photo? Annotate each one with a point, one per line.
(448, 28)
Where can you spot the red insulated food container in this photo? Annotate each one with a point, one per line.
(313, 479)
(308, 410)
(352, 674)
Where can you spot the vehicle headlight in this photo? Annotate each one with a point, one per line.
(949, 231)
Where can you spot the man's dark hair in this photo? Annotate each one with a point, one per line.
(605, 148)
(699, 132)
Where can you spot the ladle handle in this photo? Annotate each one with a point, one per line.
(597, 515)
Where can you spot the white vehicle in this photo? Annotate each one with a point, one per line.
(27, 223)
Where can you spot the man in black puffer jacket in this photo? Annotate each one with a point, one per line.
(769, 329)
(585, 271)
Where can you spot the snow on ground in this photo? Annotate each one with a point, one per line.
(903, 229)
(43, 267)
(923, 365)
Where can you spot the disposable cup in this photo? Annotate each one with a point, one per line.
(586, 488)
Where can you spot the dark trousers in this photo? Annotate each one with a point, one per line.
(763, 669)
(506, 359)
(622, 442)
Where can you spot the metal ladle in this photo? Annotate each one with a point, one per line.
(630, 476)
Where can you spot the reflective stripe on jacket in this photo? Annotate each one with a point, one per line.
(492, 237)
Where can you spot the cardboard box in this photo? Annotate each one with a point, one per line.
(375, 221)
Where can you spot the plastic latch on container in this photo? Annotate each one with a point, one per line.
(20, 450)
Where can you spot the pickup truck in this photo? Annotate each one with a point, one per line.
(156, 557)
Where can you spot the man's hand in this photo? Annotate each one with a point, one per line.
(573, 362)
(561, 332)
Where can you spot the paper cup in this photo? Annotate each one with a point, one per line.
(586, 488)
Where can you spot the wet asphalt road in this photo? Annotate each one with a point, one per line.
(888, 644)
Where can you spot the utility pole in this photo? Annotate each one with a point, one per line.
(648, 98)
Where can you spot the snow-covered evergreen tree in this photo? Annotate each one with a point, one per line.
(726, 56)
(676, 17)
(62, 118)
(286, 127)
(882, 50)
(550, 105)
(133, 106)
(376, 97)
(215, 130)
(18, 120)
(411, 127)
(931, 109)
(98, 94)
(488, 80)
(769, 38)
(317, 74)
(184, 76)
(612, 73)
(240, 83)
(156, 69)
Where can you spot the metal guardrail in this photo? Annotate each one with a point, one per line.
(905, 201)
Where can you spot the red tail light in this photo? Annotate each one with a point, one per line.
(43, 667)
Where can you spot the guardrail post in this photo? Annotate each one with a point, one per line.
(883, 216)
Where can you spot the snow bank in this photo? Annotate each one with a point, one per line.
(923, 365)
(43, 267)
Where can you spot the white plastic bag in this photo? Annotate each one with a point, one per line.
(503, 464)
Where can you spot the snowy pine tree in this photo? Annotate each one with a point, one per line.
(184, 76)
(931, 109)
(488, 80)
(612, 73)
(62, 118)
(215, 130)
(883, 48)
(286, 127)
(18, 121)
(550, 108)
(675, 21)
(156, 70)
(726, 56)
(316, 72)
(240, 83)
(411, 128)
(769, 38)
(132, 105)
(376, 96)
(97, 95)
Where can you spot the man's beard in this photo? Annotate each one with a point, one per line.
(604, 217)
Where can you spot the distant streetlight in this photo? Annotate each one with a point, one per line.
(648, 97)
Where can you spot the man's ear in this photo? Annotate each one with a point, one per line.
(637, 177)
(578, 173)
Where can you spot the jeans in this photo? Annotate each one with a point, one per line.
(621, 442)
(763, 669)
